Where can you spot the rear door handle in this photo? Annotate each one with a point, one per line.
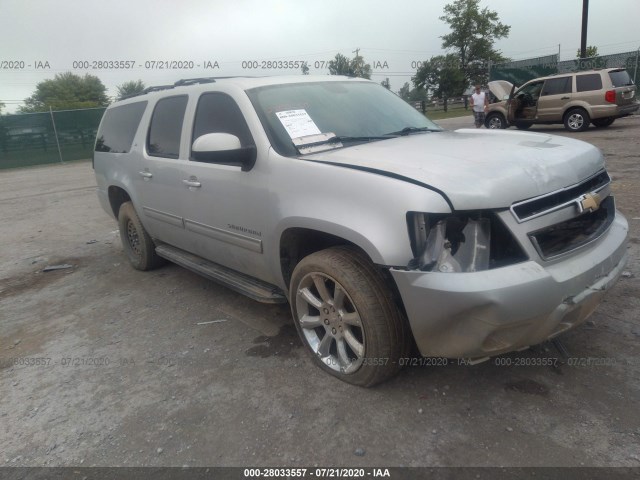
(146, 174)
(192, 183)
(565, 98)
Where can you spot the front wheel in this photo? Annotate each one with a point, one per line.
(346, 316)
(495, 120)
(576, 120)
(136, 242)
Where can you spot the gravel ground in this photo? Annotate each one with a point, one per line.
(104, 365)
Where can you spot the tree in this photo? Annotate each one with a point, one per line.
(591, 61)
(591, 52)
(359, 68)
(2, 105)
(67, 91)
(442, 76)
(409, 94)
(132, 87)
(472, 38)
(355, 67)
(405, 91)
(340, 65)
(386, 83)
(305, 68)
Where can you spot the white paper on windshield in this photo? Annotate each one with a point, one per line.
(298, 123)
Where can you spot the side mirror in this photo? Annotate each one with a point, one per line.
(216, 142)
(223, 149)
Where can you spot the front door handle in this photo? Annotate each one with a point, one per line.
(146, 174)
(192, 183)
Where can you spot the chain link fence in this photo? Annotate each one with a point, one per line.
(49, 137)
(521, 71)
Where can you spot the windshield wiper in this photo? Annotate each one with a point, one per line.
(408, 130)
(369, 138)
(324, 141)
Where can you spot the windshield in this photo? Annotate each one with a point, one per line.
(357, 110)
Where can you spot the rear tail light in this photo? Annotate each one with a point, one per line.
(610, 96)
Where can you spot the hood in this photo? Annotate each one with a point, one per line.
(500, 88)
(477, 169)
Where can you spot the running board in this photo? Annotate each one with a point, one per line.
(251, 287)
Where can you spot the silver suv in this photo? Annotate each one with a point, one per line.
(575, 99)
(378, 227)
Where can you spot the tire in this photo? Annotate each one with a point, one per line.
(494, 121)
(576, 120)
(523, 125)
(346, 317)
(603, 122)
(136, 242)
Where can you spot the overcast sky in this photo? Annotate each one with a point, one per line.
(390, 35)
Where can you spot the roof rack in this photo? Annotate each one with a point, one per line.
(157, 88)
(194, 81)
(180, 83)
(148, 90)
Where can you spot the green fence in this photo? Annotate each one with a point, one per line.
(521, 71)
(33, 138)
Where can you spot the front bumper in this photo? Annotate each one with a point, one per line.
(481, 314)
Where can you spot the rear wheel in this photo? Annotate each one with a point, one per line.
(603, 122)
(136, 242)
(346, 316)
(495, 120)
(576, 120)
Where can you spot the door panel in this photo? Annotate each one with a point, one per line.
(222, 222)
(555, 95)
(227, 213)
(159, 180)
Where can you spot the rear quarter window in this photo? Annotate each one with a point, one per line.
(620, 78)
(589, 82)
(118, 128)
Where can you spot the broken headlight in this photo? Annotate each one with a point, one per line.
(465, 242)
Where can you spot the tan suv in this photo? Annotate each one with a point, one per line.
(575, 99)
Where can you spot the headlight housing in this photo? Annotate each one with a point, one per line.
(462, 242)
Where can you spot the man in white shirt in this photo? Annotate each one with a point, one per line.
(479, 104)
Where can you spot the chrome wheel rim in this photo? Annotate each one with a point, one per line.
(133, 238)
(575, 121)
(495, 122)
(330, 323)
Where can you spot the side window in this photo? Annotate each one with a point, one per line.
(219, 113)
(556, 86)
(532, 89)
(589, 82)
(118, 128)
(163, 139)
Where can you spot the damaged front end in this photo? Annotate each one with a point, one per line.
(461, 243)
(473, 291)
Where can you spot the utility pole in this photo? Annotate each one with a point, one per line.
(583, 39)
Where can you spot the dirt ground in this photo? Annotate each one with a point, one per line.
(104, 365)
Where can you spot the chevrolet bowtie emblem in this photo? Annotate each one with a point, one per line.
(589, 202)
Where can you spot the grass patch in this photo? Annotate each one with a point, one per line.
(454, 112)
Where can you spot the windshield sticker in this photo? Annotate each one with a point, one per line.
(298, 123)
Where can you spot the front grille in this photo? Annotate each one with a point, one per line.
(567, 236)
(528, 209)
